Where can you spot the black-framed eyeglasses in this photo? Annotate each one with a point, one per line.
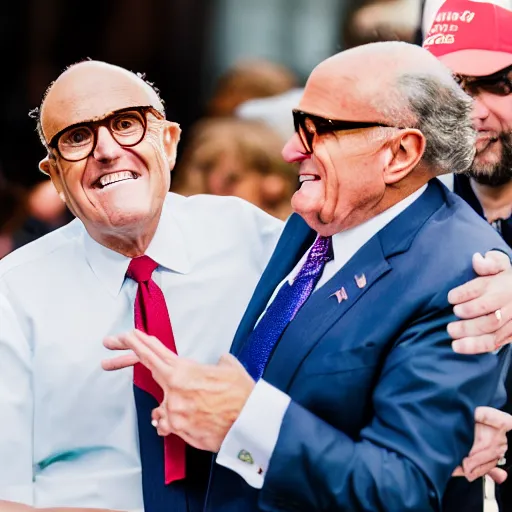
(499, 83)
(127, 127)
(308, 125)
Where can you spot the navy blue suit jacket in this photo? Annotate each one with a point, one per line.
(382, 408)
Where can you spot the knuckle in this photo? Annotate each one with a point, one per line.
(178, 423)
(491, 324)
(486, 343)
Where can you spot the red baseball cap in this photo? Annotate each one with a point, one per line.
(472, 38)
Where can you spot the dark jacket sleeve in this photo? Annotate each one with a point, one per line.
(422, 427)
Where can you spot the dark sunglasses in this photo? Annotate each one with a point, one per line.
(308, 125)
(499, 83)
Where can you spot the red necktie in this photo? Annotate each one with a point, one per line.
(152, 317)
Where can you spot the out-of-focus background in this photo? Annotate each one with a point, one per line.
(213, 61)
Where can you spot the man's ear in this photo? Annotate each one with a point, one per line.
(171, 138)
(407, 149)
(48, 166)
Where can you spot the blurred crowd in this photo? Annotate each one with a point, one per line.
(235, 147)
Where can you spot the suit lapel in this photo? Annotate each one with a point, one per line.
(324, 308)
(297, 237)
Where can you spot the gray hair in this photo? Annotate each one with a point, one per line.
(442, 112)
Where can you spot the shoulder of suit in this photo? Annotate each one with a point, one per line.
(33, 252)
(447, 180)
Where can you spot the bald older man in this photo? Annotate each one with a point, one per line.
(69, 430)
(348, 395)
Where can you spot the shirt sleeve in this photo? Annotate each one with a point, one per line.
(16, 408)
(249, 444)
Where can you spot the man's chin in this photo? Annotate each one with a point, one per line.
(128, 218)
(490, 174)
(493, 165)
(490, 180)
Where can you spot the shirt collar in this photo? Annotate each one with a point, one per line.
(167, 248)
(346, 243)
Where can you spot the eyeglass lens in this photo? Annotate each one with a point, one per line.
(127, 129)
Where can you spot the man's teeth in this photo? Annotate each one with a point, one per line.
(114, 177)
(306, 177)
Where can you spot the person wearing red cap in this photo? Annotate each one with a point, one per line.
(474, 39)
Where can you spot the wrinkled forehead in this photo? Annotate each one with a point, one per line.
(79, 97)
(335, 92)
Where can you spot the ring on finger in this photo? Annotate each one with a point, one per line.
(497, 314)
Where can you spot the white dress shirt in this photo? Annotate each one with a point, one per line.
(68, 434)
(257, 428)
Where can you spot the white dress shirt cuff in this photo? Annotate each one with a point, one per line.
(250, 442)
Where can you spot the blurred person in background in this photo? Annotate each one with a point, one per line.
(237, 157)
(13, 214)
(474, 39)
(380, 20)
(251, 78)
(46, 211)
(273, 111)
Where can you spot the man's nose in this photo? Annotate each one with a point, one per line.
(293, 150)
(107, 147)
(480, 110)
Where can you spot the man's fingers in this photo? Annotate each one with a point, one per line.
(498, 475)
(229, 360)
(157, 347)
(493, 263)
(486, 324)
(475, 345)
(458, 471)
(483, 457)
(144, 347)
(114, 343)
(485, 304)
(485, 342)
(504, 334)
(494, 418)
(160, 421)
(468, 291)
(120, 362)
(474, 472)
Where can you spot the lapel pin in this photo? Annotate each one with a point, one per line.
(360, 281)
(341, 295)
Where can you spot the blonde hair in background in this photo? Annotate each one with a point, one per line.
(232, 156)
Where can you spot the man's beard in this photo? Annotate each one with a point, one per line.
(495, 175)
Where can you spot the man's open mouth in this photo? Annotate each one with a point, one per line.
(308, 177)
(115, 177)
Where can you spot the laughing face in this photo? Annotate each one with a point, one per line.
(116, 190)
(345, 175)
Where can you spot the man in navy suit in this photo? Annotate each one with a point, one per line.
(349, 396)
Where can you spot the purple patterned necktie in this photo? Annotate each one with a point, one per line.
(284, 307)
